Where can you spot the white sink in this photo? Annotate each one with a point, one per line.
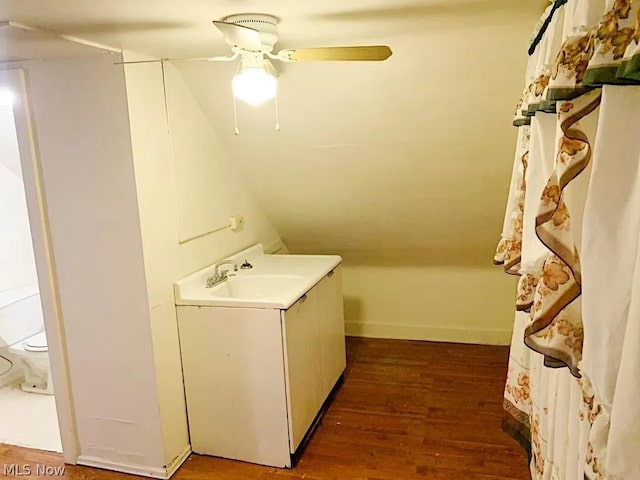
(256, 286)
(274, 282)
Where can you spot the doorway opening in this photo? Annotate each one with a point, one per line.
(28, 414)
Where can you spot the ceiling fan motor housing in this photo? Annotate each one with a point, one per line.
(266, 24)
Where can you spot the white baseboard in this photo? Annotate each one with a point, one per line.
(177, 462)
(141, 470)
(434, 334)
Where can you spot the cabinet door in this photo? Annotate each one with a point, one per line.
(235, 389)
(331, 321)
(302, 365)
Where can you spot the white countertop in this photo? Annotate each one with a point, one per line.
(297, 274)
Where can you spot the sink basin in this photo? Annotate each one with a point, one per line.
(274, 282)
(256, 286)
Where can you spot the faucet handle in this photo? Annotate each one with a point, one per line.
(246, 265)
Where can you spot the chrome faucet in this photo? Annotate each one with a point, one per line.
(218, 276)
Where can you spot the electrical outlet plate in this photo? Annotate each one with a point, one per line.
(237, 222)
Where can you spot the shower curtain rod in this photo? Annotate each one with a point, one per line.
(545, 24)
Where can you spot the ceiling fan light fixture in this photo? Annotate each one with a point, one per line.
(254, 85)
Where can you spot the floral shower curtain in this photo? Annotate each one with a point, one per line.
(572, 236)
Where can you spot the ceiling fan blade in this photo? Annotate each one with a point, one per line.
(240, 36)
(373, 53)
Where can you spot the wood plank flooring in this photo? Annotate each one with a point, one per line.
(407, 410)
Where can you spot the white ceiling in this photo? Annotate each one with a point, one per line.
(18, 44)
(406, 160)
(170, 28)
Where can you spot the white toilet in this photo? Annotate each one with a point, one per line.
(23, 341)
(32, 356)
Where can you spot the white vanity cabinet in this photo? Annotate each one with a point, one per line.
(256, 378)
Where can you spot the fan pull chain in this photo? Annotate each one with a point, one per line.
(277, 114)
(235, 108)
(235, 116)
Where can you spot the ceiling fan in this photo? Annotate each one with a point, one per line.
(252, 38)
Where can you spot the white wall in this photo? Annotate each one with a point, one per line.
(445, 303)
(82, 132)
(187, 185)
(17, 263)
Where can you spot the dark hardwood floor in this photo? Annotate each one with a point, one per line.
(407, 410)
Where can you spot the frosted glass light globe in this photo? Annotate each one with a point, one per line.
(254, 86)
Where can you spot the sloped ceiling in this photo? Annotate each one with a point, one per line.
(19, 44)
(404, 161)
